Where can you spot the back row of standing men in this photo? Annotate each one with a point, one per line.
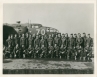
(28, 39)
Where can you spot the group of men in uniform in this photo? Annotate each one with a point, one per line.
(75, 47)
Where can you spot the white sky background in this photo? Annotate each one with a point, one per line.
(67, 18)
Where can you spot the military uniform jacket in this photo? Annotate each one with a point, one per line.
(66, 41)
(23, 49)
(37, 49)
(17, 40)
(75, 42)
(43, 42)
(27, 41)
(50, 41)
(71, 42)
(23, 41)
(56, 40)
(90, 42)
(63, 41)
(80, 50)
(30, 49)
(88, 49)
(84, 43)
(36, 42)
(9, 49)
(44, 49)
(56, 48)
(15, 49)
(30, 41)
(51, 48)
(62, 49)
(60, 42)
(10, 42)
(79, 41)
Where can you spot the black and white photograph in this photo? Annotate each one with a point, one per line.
(48, 38)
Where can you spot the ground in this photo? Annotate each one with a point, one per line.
(47, 64)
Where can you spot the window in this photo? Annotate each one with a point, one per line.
(51, 30)
(32, 26)
(48, 30)
(36, 26)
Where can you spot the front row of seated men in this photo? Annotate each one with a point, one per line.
(69, 53)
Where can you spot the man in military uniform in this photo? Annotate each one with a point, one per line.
(34, 37)
(84, 43)
(50, 41)
(53, 36)
(56, 51)
(66, 41)
(19, 37)
(59, 35)
(43, 52)
(56, 40)
(75, 40)
(23, 40)
(12, 41)
(89, 41)
(63, 53)
(79, 40)
(80, 46)
(37, 51)
(88, 52)
(37, 41)
(23, 53)
(80, 52)
(85, 52)
(27, 41)
(30, 40)
(16, 39)
(50, 51)
(63, 39)
(8, 41)
(30, 52)
(16, 51)
(45, 38)
(39, 36)
(59, 42)
(75, 53)
(71, 41)
(89, 47)
(9, 52)
(67, 44)
(71, 45)
(43, 42)
(75, 46)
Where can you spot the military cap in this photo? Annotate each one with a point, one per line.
(78, 33)
(71, 34)
(62, 33)
(84, 33)
(18, 21)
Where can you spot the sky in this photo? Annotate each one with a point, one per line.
(67, 18)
